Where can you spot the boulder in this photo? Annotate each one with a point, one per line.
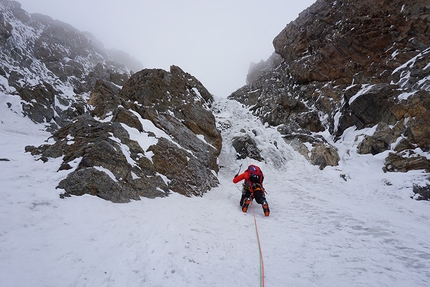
(406, 161)
(315, 149)
(324, 155)
(246, 146)
(380, 141)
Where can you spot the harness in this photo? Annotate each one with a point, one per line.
(251, 186)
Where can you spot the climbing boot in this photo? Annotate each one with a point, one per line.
(266, 209)
(245, 205)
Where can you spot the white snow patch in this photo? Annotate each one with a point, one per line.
(144, 140)
(361, 92)
(165, 178)
(107, 171)
(405, 96)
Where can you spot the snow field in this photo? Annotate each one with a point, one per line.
(322, 231)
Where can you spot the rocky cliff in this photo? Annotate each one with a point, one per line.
(350, 64)
(120, 135)
(156, 135)
(50, 65)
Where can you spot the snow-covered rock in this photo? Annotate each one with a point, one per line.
(349, 64)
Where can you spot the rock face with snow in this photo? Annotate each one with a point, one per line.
(50, 65)
(350, 64)
(178, 104)
(155, 135)
(349, 40)
(120, 135)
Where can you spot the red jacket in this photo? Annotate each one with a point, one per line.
(243, 176)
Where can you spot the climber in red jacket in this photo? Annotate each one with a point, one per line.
(252, 188)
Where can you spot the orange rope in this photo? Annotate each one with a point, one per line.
(259, 249)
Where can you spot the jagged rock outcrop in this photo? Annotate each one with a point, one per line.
(156, 135)
(178, 104)
(121, 136)
(172, 99)
(360, 64)
(106, 162)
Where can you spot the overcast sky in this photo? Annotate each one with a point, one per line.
(213, 40)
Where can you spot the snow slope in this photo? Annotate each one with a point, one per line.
(322, 231)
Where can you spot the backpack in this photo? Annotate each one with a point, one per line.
(255, 174)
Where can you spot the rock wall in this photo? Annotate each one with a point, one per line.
(360, 41)
(156, 135)
(349, 64)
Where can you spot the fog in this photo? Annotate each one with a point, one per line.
(214, 40)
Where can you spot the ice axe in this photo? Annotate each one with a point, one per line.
(240, 167)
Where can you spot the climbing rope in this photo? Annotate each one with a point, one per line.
(259, 248)
(258, 240)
